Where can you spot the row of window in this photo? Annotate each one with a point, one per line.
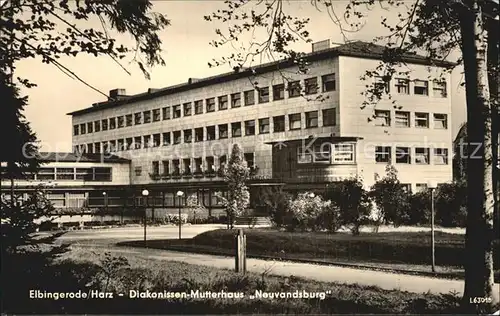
(193, 166)
(404, 119)
(209, 105)
(214, 132)
(81, 174)
(417, 86)
(403, 155)
(345, 153)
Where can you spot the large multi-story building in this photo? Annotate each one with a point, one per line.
(303, 131)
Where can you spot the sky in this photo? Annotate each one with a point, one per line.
(186, 51)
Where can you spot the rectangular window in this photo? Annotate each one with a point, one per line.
(440, 156)
(421, 187)
(83, 128)
(137, 118)
(223, 131)
(176, 111)
(210, 104)
(304, 155)
(294, 89)
(250, 128)
(250, 159)
(249, 97)
(156, 140)
(120, 121)
(439, 89)
(128, 120)
(112, 145)
(90, 148)
(279, 124)
(343, 153)
(403, 155)
(210, 132)
(421, 87)
(382, 118)
(166, 139)
(46, 174)
(422, 120)
(97, 126)
(422, 156)
(236, 100)
(311, 119)
(97, 147)
(210, 164)
(311, 85)
(166, 113)
(381, 84)
(278, 92)
(138, 142)
(176, 167)
(402, 119)
(236, 129)
(129, 143)
(322, 153)
(186, 166)
(90, 127)
(177, 137)
(65, 174)
(402, 86)
(440, 121)
(156, 115)
(198, 134)
(295, 121)
(146, 141)
(105, 147)
(263, 94)
(328, 82)
(222, 102)
(147, 117)
(121, 145)
(75, 130)
(188, 135)
(104, 124)
(198, 162)
(383, 154)
(166, 167)
(112, 123)
(222, 162)
(188, 110)
(329, 117)
(198, 107)
(155, 168)
(264, 126)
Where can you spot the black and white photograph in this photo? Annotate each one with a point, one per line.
(216, 157)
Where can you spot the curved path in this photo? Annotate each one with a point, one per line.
(108, 238)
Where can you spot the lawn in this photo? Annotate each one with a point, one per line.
(91, 267)
(392, 250)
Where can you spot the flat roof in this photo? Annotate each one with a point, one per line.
(80, 157)
(322, 138)
(357, 49)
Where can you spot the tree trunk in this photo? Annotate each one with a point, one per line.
(479, 234)
(493, 58)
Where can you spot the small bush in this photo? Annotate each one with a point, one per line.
(352, 201)
(451, 204)
(420, 210)
(276, 202)
(305, 212)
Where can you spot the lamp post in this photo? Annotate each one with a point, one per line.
(145, 194)
(105, 195)
(312, 195)
(432, 185)
(180, 194)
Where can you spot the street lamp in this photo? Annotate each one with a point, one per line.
(145, 194)
(432, 185)
(105, 195)
(312, 195)
(180, 194)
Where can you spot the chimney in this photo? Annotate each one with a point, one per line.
(152, 90)
(322, 45)
(193, 80)
(117, 94)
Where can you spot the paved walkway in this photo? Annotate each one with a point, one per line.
(388, 281)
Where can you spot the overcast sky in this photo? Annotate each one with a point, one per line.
(186, 52)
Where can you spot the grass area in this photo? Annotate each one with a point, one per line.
(87, 265)
(389, 250)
